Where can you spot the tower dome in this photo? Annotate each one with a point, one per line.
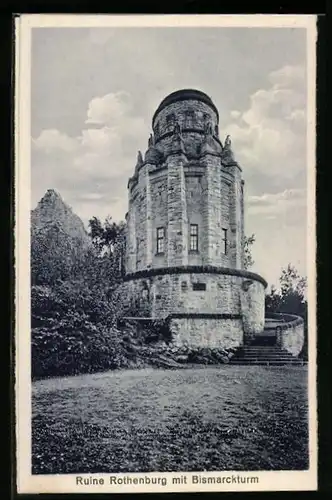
(193, 112)
(185, 95)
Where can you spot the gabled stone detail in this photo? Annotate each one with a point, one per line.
(227, 153)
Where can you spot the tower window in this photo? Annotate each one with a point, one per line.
(190, 117)
(170, 118)
(224, 241)
(160, 239)
(193, 237)
(138, 260)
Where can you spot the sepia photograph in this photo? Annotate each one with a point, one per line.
(165, 253)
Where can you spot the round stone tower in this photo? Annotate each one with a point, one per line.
(185, 230)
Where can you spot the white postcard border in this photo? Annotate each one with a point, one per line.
(28, 483)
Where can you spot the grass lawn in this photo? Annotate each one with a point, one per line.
(195, 419)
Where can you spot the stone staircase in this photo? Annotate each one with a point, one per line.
(268, 355)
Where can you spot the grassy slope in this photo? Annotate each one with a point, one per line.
(216, 418)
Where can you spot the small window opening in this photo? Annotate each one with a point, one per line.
(193, 237)
(199, 286)
(170, 118)
(224, 241)
(160, 240)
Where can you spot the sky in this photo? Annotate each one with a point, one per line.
(94, 92)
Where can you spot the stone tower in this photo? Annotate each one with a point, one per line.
(185, 230)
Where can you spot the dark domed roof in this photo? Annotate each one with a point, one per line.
(184, 95)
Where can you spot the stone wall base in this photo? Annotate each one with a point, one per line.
(292, 338)
(206, 332)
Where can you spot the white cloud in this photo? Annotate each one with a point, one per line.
(90, 196)
(108, 109)
(235, 113)
(97, 162)
(269, 136)
(277, 203)
(52, 139)
(287, 76)
(279, 222)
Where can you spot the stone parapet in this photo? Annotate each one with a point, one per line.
(289, 332)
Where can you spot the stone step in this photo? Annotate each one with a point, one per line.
(265, 351)
(261, 347)
(253, 356)
(268, 353)
(265, 355)
(292, 362)
(264, 360)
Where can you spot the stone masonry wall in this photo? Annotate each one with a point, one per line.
(159, 216)
(236, 218)
(163, 295)
(213, 223)
(177, 197)
(131, 240)
(142, 213)
(253, 307)
(195, 206)
(213, 333)
(177, 224)
(292, 338)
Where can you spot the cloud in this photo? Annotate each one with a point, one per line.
(108, 109)
(287, 75)
(235, 114)
(276, 201)
(278, 221)
(269, 136)
(52, 139)
(97, 162)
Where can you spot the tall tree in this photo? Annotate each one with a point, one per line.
(108, 239)
(290, 298)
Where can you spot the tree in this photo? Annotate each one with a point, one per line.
(292, 283)
(272, 300)
(293, 289)
(108, 239)
(291, 298)
(54, 254)
(248, 241)
(107, 235)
